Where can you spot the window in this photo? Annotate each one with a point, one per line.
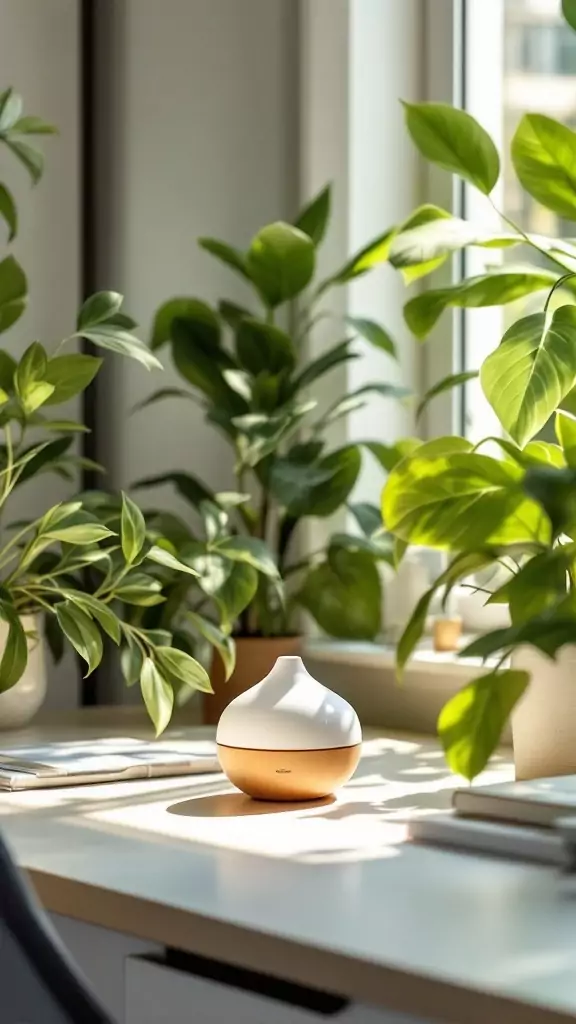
(531, 68)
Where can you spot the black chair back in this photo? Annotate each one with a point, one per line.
(39, 983)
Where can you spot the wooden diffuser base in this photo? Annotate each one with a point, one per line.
(289, 774)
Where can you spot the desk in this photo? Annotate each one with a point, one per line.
(326, 896)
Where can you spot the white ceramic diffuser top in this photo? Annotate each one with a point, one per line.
(289, 710)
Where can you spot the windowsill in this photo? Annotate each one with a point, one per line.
(365, 675)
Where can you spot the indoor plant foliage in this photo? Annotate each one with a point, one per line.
(44, 563)
(511, 499)
(248, 369)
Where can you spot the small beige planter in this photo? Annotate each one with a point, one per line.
(19, 704)
(544, 721)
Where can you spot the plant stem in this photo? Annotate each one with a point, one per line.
(530, 241)
(557, 284)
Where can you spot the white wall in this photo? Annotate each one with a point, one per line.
(39, 57)
(203, 114)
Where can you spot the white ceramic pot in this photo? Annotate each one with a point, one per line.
(289, 737)
(544, 720)
(19, 704)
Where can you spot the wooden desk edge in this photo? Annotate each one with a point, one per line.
(364, 981)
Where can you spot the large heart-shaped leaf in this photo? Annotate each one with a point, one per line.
(343, 594)
(471, 723)
(495, 289)
(531, 371)
(281, 262)
(454, 140)
(459, 502)
(544, 158)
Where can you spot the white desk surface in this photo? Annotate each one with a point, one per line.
(329, 896)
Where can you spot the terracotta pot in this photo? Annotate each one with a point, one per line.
(544, 720)
(255, 657)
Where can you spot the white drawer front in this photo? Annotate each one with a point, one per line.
(157, 994)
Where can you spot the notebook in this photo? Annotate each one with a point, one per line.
(538, 802)
(517, 842)
(80, 762)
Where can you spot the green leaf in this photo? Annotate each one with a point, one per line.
(41, 456)
(99, 308)
(184, 668)
(323, 364)
(69, 375)
(31, 368)
(15, 654)
(324, 498)
(281, 262)
(455, 141)
(132, 529)
(378, 547)
(547, 633)
(163, 557)
(7, 370)
(569, 12)
(161, 395)
(291, 481)
(343, 595)
(140, 589)
(59, 426)
(13, 292)
(81, 632)
(471, 723)
(495, 289)
(565, 426)
(232, 585)
(96, 609)
(313, 219)
(219, 640)
(531, 371)
(227, 254)
(539, 584)
(374, 333)
(389, 455)
(453, 380)
(193, 311)
(131, 661)
(35, 396)
(158, 695)
(544, 158)
(187, 486)
(555, 491)
(117, 340)
(369, 256)
(81, 534)
(201, 363)
(261, 346)
(232, 313)
(368, 517)
(8, 211)
(10, 110)
(413, 631)
(354, 400)
(454, 501)
(425, 247)
(31, 125)
(249, 550)
(32, 159)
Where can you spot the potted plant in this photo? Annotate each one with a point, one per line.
(68, 568)
(510, 499)
(248, 369)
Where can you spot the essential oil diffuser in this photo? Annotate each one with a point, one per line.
(289, 737)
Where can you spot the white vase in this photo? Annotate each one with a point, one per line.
(19, 704)
(544, 720)
(289, 737)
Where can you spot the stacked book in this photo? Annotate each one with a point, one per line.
(532, 821)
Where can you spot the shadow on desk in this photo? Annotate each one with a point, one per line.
(236, 805)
